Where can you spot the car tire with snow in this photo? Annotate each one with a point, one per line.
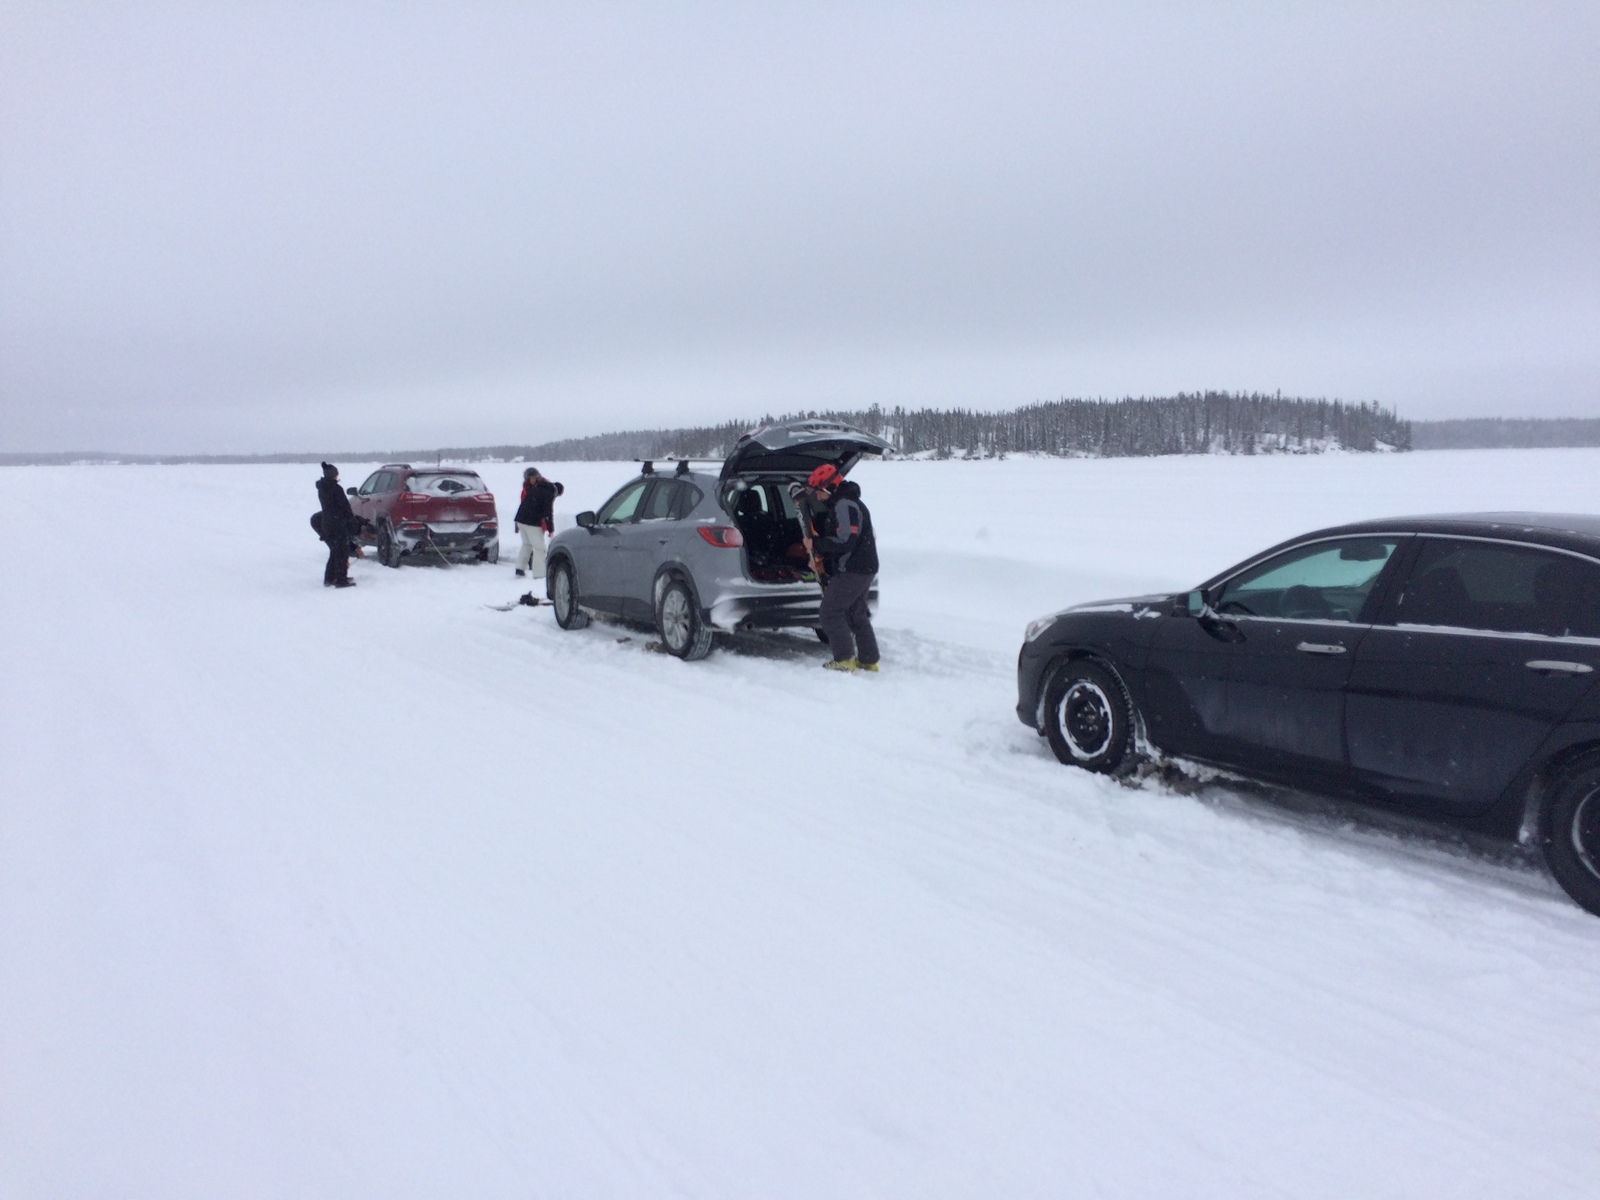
(490, 553)
(388, 548)
(1088, 718)
(562, 587)
(683, 631)
(1569, 830)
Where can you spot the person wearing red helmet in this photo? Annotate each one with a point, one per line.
(848, 553)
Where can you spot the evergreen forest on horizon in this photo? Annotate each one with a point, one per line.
(1196, 423)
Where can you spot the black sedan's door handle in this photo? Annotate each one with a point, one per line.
(1319, 648)
(1555, 666)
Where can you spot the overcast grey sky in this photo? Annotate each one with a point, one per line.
(297, 226)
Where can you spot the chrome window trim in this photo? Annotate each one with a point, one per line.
(1332, 622)
(1547, 639)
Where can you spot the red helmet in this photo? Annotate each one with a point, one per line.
(825, 476)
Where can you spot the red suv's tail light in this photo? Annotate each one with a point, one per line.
(486, 497)
(724, 536)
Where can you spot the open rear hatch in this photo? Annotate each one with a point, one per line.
(798, 447)
(755, 488)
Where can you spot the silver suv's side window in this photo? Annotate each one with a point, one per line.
(624, 506)
(1325, 581)
(685, 497)
(1501, 588)
(659, 506)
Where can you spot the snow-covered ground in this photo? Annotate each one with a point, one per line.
(384, 893)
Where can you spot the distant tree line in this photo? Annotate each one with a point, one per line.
(1201, 423)
(1494, 433)
(1197, 423)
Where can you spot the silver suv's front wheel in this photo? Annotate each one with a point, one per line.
(678, 619)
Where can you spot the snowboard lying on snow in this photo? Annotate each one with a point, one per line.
(527, 598)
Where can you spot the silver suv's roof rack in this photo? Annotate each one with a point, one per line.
(647, 466)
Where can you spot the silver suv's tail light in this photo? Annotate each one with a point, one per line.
(724, 537)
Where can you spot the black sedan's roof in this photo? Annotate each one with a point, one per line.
(1570, 531)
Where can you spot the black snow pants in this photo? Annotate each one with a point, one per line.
(338, 568)
(846, 623)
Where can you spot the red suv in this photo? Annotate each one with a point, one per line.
(424, 512)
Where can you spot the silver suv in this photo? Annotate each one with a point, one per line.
(693, 553)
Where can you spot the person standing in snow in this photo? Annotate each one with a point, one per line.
(535, 519)
(339, 527)
(848, 552)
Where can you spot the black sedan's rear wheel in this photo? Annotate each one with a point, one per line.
(1088, 718)
(563, 589)
(1570, 831)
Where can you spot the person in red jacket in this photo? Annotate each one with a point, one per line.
(535, 519)
(848, 552)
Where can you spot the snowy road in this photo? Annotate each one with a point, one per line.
(384, 893)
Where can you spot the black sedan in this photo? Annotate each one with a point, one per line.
(1440, 666)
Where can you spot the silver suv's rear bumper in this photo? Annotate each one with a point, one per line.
(760, 606)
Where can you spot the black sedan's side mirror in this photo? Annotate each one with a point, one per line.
(586, 520)
(350, 491)
(1190, 604)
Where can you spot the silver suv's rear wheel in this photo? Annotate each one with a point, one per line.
(678, 619)
(563, 590)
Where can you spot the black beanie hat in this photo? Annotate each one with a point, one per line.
(329, 471)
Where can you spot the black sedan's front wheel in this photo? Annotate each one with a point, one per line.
(1570, 831)
(1088, 718)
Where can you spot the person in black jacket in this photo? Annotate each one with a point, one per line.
(338, 528)
(848, 551)
(535, 519)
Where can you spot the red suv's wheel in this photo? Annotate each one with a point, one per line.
(388, 548)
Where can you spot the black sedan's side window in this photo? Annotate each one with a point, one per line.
(624, 506)
(1325, 581)
(1501, 588)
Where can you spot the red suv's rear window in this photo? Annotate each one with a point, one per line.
(445, 484)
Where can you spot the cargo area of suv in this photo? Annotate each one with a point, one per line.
(756, 481)
(767, 519)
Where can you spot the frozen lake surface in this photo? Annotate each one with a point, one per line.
(384, 893)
